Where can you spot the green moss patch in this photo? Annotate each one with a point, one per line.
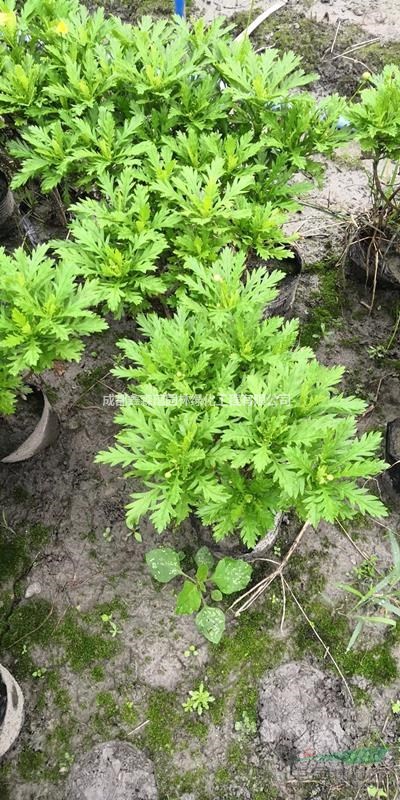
(376, 663)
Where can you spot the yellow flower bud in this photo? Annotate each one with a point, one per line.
(8, 20)
(61, 28)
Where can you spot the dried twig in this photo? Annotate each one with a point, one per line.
(356, 47)
(336, 35)
(138, 728)
(256, 591)
(316, 634)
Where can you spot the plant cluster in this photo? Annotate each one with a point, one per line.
(178, 152)
(231, 421)
(185, 141)
(44, 314)
(229, 576)
(378, 601)
(376, 123)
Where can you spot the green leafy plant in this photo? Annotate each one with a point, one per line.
(376, 120)
(118, 241)
(102, 92)
(245, 725)
(44, 314)
(110, 624)
(229, 419)
(230, 575)
(374, 238)
(380, 603)
(395, 707)
(199, 700)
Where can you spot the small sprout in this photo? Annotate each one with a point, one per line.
(107, 535)
(246, 725)
(274, 599)
(373, 791)
(39, 672)
(136, 535)
(199, 700)
(396, 707)
(191, 651)
(113, 628)
(66, 761)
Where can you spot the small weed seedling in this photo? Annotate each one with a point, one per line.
(374, 791)
(379, 604)
(191, 651)
(396, 707)
(199, 700)
(40, 672)
(107, 535)
(112, 626)
(230, 575)
(245, 725)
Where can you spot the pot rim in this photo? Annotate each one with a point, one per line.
(45, 433)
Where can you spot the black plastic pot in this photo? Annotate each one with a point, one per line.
(292, 267)
(375, 260)
(44, 430)
(12, 710)
(7, 203)
(393, 451)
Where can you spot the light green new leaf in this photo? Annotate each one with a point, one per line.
(189, 599)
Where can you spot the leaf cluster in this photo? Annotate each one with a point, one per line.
(228, 576)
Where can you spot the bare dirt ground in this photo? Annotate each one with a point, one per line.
(378, 18)
(67, 559)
